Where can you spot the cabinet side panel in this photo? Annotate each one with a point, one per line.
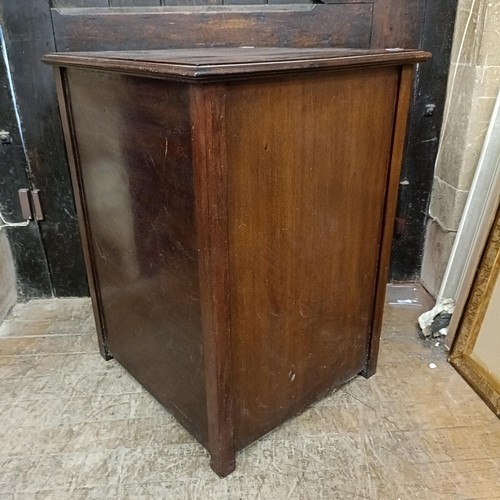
(81, 210)
(133, 143)
(307, 164)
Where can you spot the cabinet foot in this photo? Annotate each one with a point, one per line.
(104, 351)
(223, 467)
(368, 372)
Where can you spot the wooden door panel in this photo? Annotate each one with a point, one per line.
(337, 25)
(398, 23)
(28, 35)
(379, 23)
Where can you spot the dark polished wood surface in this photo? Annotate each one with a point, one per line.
(339, 25)
(134, 150)
(208, 112)
(239, 231)
(210, 63)
(306, 196)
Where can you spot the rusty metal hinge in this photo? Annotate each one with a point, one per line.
(31, 207)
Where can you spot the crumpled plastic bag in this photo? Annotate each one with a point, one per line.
(434, 323)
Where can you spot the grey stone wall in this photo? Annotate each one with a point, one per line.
(8, 294)
(473, 84)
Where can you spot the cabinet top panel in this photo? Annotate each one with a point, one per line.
(222, 63)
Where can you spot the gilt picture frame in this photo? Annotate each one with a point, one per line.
(476, 351)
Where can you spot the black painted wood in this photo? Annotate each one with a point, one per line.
(28, 33)
(422, 142)
(27, 249)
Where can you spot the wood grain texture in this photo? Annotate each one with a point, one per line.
(398, 141)
(208, 110)
(397, 23)
(224, 64)
(240, 230)
(306, 197)
(268, 26)
(134, 151)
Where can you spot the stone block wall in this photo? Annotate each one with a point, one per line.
(473, 84)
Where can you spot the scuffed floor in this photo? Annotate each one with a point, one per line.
(73, 426)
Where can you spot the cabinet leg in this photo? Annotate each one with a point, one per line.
(223, 465)
(368, 372)
(104, 351)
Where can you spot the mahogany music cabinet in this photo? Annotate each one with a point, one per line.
(236, 208)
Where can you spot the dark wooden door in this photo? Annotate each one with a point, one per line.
(422, 142)
(53, 245)
(32, 29)
(26, 242)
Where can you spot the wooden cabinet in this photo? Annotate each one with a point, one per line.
(236, 208)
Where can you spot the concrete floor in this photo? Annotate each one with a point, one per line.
(74, 426)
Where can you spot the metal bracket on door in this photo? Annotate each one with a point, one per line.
(31, 207)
